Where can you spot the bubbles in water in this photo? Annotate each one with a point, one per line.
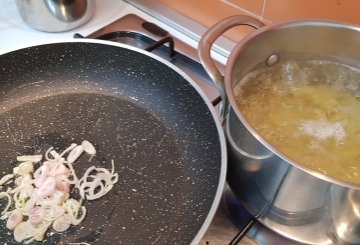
(323, 130)
(307, 110)
(290, 72)
(301, 73)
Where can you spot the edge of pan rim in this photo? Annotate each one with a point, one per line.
(221, 134)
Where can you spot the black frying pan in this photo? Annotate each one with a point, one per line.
(167, 144)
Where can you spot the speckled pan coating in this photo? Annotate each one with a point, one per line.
(138, 112)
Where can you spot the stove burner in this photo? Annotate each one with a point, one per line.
(136, 32)
(123, 37)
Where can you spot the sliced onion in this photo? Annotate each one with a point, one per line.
(75, 153)
(25, 168)
(56, 157)
(52, 211)
(77, 220)
(102, 192)
(6, 178)
(21, 232)
(47, 154)
(56, 198)
(75, 179)
(37, 232)
(72, 207)
(47, 188)
(29, 158)
(23, 183)
(95, 186)
(40, 175)
(56, 169)
(62, 223)
(44, 196)
(40, 235)
(62, 185)
(36, 215)
(14, 219)
(88, 147)
(30, 203)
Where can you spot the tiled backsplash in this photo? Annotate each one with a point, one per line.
(208, 12)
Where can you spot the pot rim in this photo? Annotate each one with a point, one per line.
(234, 54)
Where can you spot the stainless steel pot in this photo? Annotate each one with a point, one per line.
(55, 15)
(285, 196)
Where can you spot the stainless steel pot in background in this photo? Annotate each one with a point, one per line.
(287, 197)
(55, 15)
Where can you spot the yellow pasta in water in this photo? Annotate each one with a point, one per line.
(310, 112)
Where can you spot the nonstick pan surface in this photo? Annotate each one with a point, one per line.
(138, 110)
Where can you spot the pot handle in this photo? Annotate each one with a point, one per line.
(207, 41)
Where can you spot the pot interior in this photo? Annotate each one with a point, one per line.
(316, 55)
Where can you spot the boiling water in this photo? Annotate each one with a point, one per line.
(309, 111)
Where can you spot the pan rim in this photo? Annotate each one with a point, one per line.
(223, 148)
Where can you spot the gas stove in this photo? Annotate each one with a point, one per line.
(148, 25)
(232, 224)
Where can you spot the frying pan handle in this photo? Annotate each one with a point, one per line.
(207, 41)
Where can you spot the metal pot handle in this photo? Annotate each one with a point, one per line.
(207, 41)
